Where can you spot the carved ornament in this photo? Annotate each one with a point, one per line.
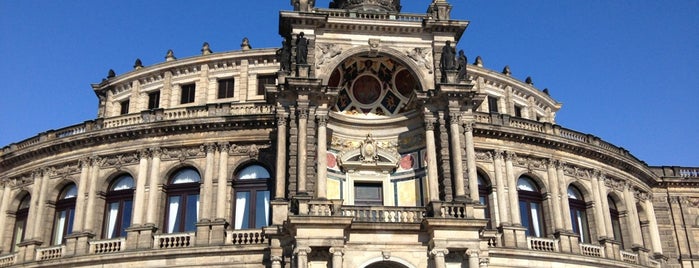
(421, 56)
(327, 53)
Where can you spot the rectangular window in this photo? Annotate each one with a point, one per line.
(225, 88)
(153, 100)
(492, 104)
(518, 111)
(368, 194)
(124, 107)
(263, 80)
(187, 93)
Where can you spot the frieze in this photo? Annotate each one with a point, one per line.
(65, 170)
(344, 145)
(252, 150)
(327, 53)
(421, 56)
(485, 156)
(120, 160)
(182, 154)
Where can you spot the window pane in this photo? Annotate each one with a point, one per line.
(19, 233)
(58, 227)
(536, 220)
(492, 104)
(253, 172)
(261, 209)
(242, 218)
(154, 100)
(225, 88)
(125, 218)
(70, 192)
(524, 215)
(368, 193)
(123, 183)
(526, 184)
(173, 220)
(187, 175)
(112, 214)
(124, 107)
(582, 225)
(187, 94)
(191, 213)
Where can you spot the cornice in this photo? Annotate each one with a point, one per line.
(505, 80)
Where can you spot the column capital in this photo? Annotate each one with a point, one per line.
(473, 252)
(224, 146)
(454, 117)
(209, 148)
(302, 250)
(322, 120)
(439, 252)
(468, 126)
(509, 156)
(84, 162)
(337, 251)
(281, 120)
(429, 124)
(302, 112)
(156, 152)
(498, 154)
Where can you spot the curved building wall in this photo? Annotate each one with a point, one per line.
(370, 155)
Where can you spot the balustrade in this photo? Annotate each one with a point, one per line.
(8, 260)
(107, 246)
(592, 250)
(629, 257)
(49, 253)
(246, 237)
(178, 240)
(385, 214)
(542, 244)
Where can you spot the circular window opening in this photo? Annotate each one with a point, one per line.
(366, 89)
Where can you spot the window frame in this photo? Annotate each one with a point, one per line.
(124, 107)
(154, 100)
(183, 191)
(485, 190)
(579, 206)
(379, 201)
(190, 90)
(262, 80)
(20, 214)
(616, 221)
(528, 198)
(229, 89)
(120, 196)
(493, 104)
(66, 205)
(252, 186)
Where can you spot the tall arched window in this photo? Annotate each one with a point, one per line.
(530, 208)
(578, 214)
(65, 212)
(182, 201)
(20, 223)
(251, 191)
(484, 191)
(616, 223)
(117, 214)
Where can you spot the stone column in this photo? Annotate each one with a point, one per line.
(457, 163)
(565, 205)
(153, 192)
(471, 162)
(33, 205)
(337, 253)
(500, 189)
(322, 163)
(208, 187)
(438, 256)
(555, 197)
(599, 208)
(432, 176)
(302, 154)
(92, 195)
(4, 203)
(79, 217)
(139, 194)
(605, 206)
(656, 245)
(473, 257)
(512, 189)
(302, 256)
(633, 222)
(39, 228)
(222, 190)
(280, 179)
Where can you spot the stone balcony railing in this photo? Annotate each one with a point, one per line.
(107, 246)
(211, 110)
(369, 15)
(384, 214)
(177, 240)
(8, 260)
(629, 257)
(592, 250)
(246, 237)
(49, 253)
(542, 244)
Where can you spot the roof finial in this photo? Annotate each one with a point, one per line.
(205, 49)
(170, 56)
(546, 91)
(138, 64)
(506, 70)
(529, 80)
(478, 62)
(245, 45)
(111, 74)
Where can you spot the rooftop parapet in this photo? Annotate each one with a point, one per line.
(367, 5)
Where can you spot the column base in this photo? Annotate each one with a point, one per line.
(140, 237)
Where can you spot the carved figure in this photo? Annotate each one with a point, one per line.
(328, 51)
(205, 49)
(448, 57)
(461, 62)
(301, 49)
(284, 56)
(421, 57)
(245, 45)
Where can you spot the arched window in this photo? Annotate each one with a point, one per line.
(484, 191)
(65, 212)
(20, 223)
(578, 214)
(117, 214)
(251, 191)
(616, 223)
(182, 201)
(530, 208)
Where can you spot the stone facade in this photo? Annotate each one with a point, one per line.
(369, 155)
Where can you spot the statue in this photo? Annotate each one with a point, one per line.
(245, 45)
(461, 62)
(170, 56)
(301, 49)
(284, 56)
(447, 61)
(205, 49)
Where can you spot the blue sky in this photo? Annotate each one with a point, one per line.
(626, 71)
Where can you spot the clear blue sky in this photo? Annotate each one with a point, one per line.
(626, 71)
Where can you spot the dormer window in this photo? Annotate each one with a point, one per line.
(225, 88)
(124, 107)
(518, 111)
(493, 105)
(154, 100)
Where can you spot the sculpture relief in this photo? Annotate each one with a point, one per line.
(328, 52)
(421, 57)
